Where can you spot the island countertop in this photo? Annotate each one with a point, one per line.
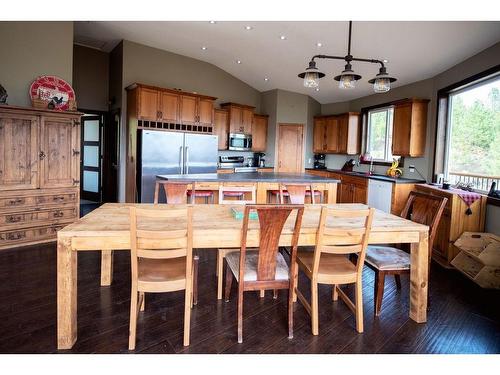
(249, 177)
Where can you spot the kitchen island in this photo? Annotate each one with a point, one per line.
(263, 181)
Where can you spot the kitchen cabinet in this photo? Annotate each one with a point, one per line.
(220, 127)
(240, 117)
(39, 174)
(259, 133)
(148, 104)
(409, 127)
(353, 189)
(337, 134)
(454, 222)
(169, 107)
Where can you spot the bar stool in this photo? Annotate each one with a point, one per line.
(207, 194)
(285, 194)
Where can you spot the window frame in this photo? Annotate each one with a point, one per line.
(388, 132)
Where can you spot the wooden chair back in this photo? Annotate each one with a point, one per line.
(241, 188)
(175, 192)
(153, 240)
(425, 209)
(296, 193)
(272, 218)
(332, 240)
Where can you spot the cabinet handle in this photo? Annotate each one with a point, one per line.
(41, 155)
(75, 182)
(58, 214)
(13, 219)
(76, 152)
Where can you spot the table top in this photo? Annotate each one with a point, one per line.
(112, 220)
(249, 177)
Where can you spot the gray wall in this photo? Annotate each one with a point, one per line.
(91, 78)
(269, 106)
(32, 49)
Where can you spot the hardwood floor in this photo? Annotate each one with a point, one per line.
(463, 318)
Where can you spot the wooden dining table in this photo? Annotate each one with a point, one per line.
(107, 229)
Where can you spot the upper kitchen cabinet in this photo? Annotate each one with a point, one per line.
(148, 101)
(188, 110)
(259, 133)
(221, 127)
(240, 117)
(337, 134)
(409, 127)
(169, 107)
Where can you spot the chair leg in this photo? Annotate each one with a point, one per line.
(335, 293)
(262, 293)
(240, 313)
(133, 319)
(220, 265)
(290, 311)
(229, 281)
(296, 282)
(142, 298)
(359, 307)
(196, 261)
(275, 294)
(187, 313)
(379, 291)
(397, 278)
(314, 308)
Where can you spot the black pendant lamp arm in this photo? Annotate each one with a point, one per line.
(373, 61)
(349, 58)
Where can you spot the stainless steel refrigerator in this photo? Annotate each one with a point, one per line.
(164, 152)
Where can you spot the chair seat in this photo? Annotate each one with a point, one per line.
(161, 270)
(316, 192)
(251, 259)
(285, 193)
(201, 193)
(234, 193)
(331, 266)
(387, 258)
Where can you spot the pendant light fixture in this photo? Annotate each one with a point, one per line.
(347, 78)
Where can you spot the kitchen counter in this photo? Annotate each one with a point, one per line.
(380, 177)
(249, 177)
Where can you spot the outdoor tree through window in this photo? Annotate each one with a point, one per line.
(379, 140)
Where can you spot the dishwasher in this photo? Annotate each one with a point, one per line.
(380, 195)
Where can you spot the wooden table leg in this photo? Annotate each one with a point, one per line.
(106, 267)
(66, 293)
(419, 278)
(261, 197)
(331, 194)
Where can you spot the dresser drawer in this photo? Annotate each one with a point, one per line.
(16, 237)
(39, 216)
(28, 199)
(61, 198)
(15, 202)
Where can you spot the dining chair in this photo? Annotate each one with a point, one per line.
(264, 268)
(329, 263)
(178, 193)
(384, 260)
(222, 252)
(161, 259)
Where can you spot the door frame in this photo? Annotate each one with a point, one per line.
(277, 144)
(85, 194)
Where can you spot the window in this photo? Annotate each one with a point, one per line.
(379, 134)
(472, 149)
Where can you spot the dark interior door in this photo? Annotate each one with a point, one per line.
(91, 157)
(111, 155)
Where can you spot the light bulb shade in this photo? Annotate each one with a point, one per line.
(311, 76)
(347, 79)
(382, 81)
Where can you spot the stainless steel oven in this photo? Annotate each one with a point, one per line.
(240, 142)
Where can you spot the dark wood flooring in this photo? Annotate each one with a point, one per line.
(463, 318)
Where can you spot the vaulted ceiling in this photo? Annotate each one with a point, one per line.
(279, 51)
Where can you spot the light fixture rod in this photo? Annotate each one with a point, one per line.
(349, 42)
(373, 61)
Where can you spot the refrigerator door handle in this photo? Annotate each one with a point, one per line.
(181, 159)
(187, 160)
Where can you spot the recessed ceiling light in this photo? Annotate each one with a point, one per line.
(204, 48)
(238, 61)
(385, 60)
(283, 37)
(212, 22)
(248, 27)
(266, 79)
(319, 44)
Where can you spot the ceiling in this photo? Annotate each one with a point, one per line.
(414, 50)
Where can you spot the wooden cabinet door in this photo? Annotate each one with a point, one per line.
(332, 134)
(359, 194)
(148, 104)
(188, 109)
(59, 152)
(169, 107)
(220, 127)
(18, 152)
(235, 120)
(246, 120)
(343, 133)
(205, 111)
(345, 193)
(401, 130)
(319, 135)
(259, 133)
(442, 239)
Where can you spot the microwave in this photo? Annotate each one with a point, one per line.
(240, 142)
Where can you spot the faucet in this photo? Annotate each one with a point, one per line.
(370, 172)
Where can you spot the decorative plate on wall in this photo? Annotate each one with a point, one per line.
(52, 89)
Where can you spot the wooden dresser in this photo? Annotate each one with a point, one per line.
(454, 222)
(39, 174)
